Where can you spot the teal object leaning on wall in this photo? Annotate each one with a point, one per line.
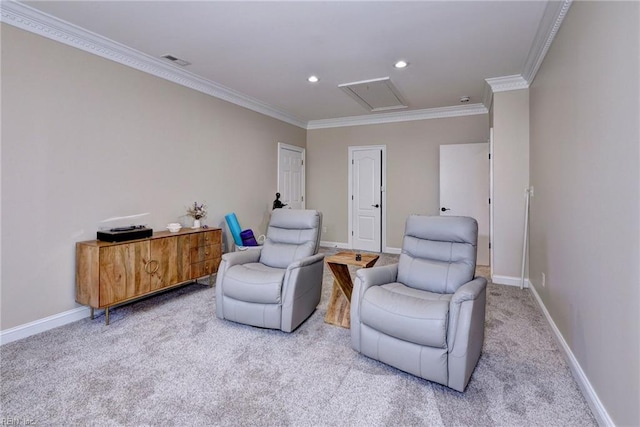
(234, 227)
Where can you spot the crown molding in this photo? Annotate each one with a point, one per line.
(501, 84)
(506, 83)
(554, 14)
(404, 116)
(34, 21)
(487, 95)
(552, 18)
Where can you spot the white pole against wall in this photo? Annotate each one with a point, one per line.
(527, 196)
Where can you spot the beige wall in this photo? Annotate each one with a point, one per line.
(85, 139)
(412, 168)
(510, 179)
(585, 216)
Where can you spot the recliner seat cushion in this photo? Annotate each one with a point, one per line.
(255, 283)
(402, 289)
(408, 314)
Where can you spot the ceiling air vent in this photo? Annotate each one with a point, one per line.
(175, 60)
(375, 95)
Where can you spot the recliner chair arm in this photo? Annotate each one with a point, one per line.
(306, 261)
(291, 277)
(241, 257)
(229, 260)
(366, 278)
(376, 276)
(470, 291)
(301, 290)
(466, 331)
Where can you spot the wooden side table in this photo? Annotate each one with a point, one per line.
(339, 309)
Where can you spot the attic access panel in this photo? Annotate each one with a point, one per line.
(375, 95)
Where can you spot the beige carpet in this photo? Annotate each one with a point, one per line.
(168, 360)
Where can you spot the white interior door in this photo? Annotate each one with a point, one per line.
(291, 175)
(367, 200)
(464, 188)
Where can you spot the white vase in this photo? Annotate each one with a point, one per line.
(196, 223)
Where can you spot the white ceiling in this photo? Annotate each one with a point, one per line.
(266, 50)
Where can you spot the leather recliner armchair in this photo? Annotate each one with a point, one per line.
(277, 286)
(425, 315)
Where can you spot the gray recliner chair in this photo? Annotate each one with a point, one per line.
(425, 315)
(277, 286)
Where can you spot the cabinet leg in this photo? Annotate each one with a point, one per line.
(106, 313)
(92, 313)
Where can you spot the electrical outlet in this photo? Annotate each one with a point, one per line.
(544, 280)
(324, 229)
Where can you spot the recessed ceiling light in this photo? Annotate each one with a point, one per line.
(401, 64)
(313, 79)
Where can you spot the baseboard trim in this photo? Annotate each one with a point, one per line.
(42, 325)
(396, 251)
(338, 245)
(508, 280)
(590, 395)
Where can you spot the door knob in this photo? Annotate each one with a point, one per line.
(445, 209)
(376, 205)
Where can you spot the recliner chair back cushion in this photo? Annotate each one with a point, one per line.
(438, 253)
(292, 234)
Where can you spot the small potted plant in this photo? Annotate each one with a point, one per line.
(197, 212)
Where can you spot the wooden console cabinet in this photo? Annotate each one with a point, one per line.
(109, 274)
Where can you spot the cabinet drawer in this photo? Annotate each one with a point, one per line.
(204, 253)
(213, 237)
(204, 268)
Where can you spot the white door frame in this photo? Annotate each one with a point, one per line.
(491, 201)
(383, 213)
(303, 152)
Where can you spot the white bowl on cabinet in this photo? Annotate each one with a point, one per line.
(174, 227)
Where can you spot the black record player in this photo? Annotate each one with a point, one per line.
(123, 234)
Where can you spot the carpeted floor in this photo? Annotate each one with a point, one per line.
(168, 360)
